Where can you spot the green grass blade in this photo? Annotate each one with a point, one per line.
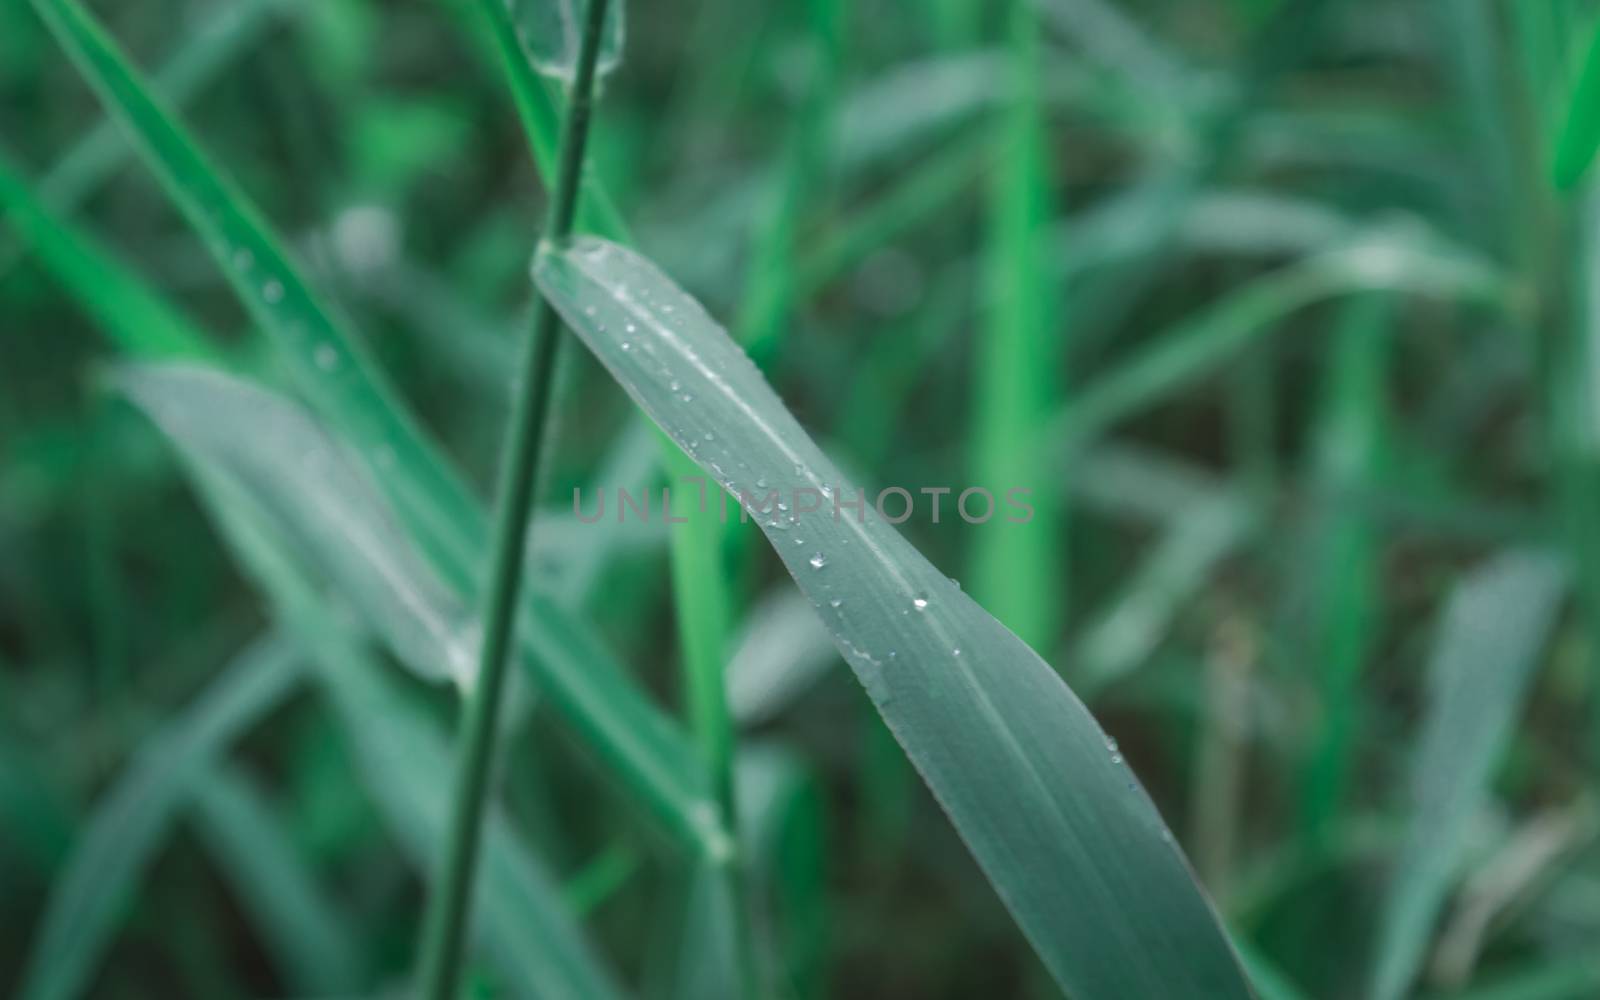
(1579, 136)
(1127, 631)
(1019, 574)
(314, 492)
(329, 365)
(405, 763)
(1344, 606)
(1086, 866)
(309, 941)
(1196, 347)
(1490, 642)
(131, 820)
(335, 374)
(320, 497)
(140, 322)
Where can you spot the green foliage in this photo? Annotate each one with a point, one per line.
(1283, 313)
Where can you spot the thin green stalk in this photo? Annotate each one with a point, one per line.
(445, 925)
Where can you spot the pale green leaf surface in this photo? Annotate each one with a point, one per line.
(1487, 648)
(320, 497)
(1058, 822)
(406, 765)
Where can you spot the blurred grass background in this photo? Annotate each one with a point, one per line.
(1281, 309)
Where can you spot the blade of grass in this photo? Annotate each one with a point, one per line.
(625, 731)
(404, 762)
(1490, 642)
(1345, 607)
(444, 927)
(1381, 261)
(1019, 574)
(309, 940)
(1089, 870)
(132, 819)
(201, 55)
(141, 323)
(333, 370)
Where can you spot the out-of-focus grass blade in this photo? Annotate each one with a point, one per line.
(405, 763)
(628, 734)
(314, 492)
(1018, 573)
(332, 368)
(1490, 643)
(228, 30)
(783, 828)
(307, 938)
(132, 818)
(1579, 136)
(1084, 862)
(320, 497)
(549, 29)
(1344, 605)
(1381, 261)
(142, 323)
(781, 653)
(1122, 636)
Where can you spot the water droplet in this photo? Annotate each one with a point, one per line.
(799, 468)
(920, 602)
(710, 436)
(818, 560)
(630, 328)
(1116, 758)
(272, 291)
(956, 651)
(243, 259)
(326, 357)
(627, 345)
(1111, 744)
(836, 602)
(674, 385)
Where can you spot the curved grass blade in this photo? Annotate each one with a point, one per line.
(132, 819)
(1385, 260)
(320, 497)
(1058, 822)
(404, 762)
(1488, 646)
(307, 938)
(314, 491)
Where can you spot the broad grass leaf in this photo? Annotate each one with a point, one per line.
(1060, 825)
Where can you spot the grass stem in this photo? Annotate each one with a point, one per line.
(445, 924)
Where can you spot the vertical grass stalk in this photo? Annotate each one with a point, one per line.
(446, 919)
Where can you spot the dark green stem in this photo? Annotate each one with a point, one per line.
(445, 927)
